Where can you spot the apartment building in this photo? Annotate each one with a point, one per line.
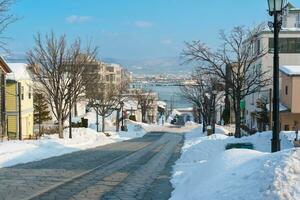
(289, 47)
(105, 73)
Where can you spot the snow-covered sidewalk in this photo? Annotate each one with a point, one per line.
(16, 152)
(206, 171)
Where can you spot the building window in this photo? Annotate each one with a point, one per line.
(110, 69)
(286, 45)
(29, 92)
(286, 90)
(22, 92)
(297, 24)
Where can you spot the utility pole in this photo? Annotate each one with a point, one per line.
(270, 109)
(20, 109)
(70, 113)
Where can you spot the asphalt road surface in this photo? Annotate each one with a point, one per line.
(134, 169)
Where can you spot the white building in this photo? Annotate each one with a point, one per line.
(289, 44)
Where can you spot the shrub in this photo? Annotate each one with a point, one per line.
(132, 118)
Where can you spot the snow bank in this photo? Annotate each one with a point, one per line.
(167, 128)
(16, 152)
(206, 171)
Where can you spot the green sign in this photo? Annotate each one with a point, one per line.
(243, 104)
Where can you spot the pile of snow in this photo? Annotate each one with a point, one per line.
(206, 170)
(15, 152)
(168, 128)
(92, 120)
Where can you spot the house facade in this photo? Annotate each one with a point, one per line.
(19, 102)
(4, 70)
(289, 45)
(290, 98)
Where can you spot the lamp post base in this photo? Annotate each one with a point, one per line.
(275, 145)
(123, 128)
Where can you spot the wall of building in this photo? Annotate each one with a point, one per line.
(287, 83)
(27, 109)
(296, 95)
(12, 107)
(266, 64)
(289, 121)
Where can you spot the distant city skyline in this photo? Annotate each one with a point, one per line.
(132, 29)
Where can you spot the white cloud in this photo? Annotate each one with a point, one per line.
(143, 24)
(166, 41)
(78, 19)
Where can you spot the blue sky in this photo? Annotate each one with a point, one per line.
(133, 29)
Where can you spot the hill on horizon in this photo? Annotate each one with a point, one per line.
(155, 66)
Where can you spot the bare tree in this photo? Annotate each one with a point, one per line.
(240, 51)
(122, 96)
(200, 94)
(6, 18)
(145, 99)
(58, 69)
(105, 99)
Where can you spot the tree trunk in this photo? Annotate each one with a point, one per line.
(60, 127)
(97, 121)
(103, 123)
(144, 115)
(118, 121)
(238, 118)
(40, 129)
(75, 109)
(203, 126)
(199, 117)
(40, 123)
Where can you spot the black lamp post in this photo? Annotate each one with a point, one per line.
(275, 9)
(122, 123)
(70, 111)
(214, 94)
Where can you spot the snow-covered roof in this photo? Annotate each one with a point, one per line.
(292, 70)
(19, 72)
(161, 104)
(282, 107)
(130, 104)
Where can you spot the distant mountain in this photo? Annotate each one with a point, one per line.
(16, 58)
(155, 66)
(166, 65)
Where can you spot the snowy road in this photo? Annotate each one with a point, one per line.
(134, 169)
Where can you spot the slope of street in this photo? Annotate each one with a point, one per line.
(134, 169)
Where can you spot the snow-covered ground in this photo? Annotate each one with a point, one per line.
(206, 171)
(15, 152)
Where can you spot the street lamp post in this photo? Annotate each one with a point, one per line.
(70, 111)
(122, 122)
(275, 9)
(214, 92)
